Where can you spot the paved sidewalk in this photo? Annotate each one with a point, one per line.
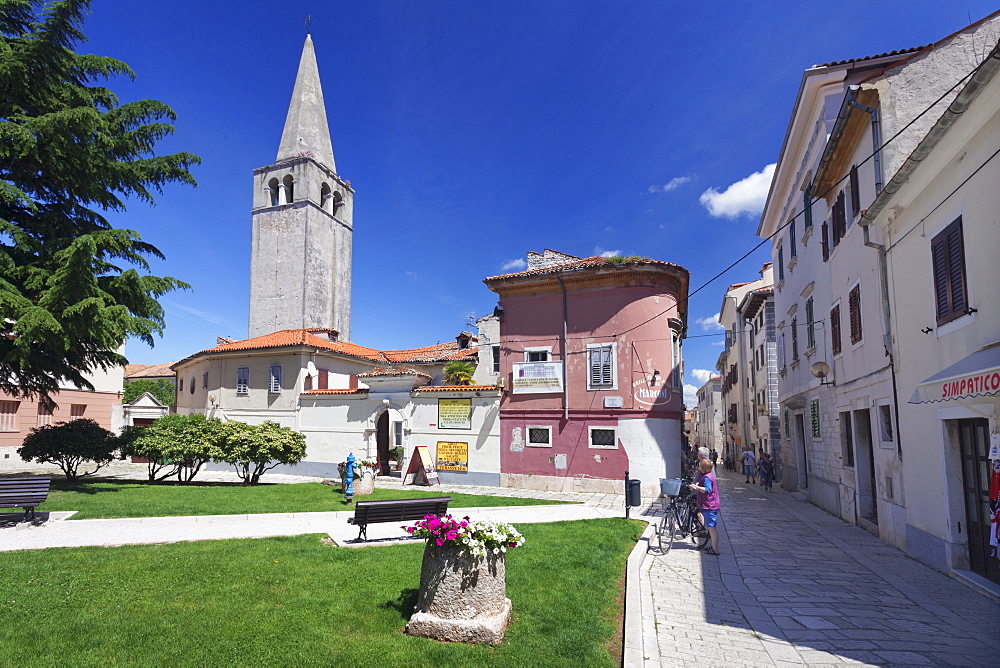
(795, 585)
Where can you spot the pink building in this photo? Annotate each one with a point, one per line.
(590, 357)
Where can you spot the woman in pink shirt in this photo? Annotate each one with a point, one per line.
(708, 501)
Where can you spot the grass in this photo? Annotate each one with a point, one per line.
(287, 601)
(101, 499)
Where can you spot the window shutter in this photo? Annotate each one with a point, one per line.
(781, 263)
(948, 259)
(791, 237)
(807, 207)
(956, 268)
(939, 258)
(274, 379)
(825, 241)
(795, 339)
(324, 380)
(855, 192)
(854, 304)
(810, 334)
(835, 329)
(600, 366)
(839, 218)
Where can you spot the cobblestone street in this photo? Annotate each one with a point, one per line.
(795, 585)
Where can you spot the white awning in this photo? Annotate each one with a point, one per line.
(977, 375)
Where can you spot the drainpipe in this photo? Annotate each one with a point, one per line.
(564, 354)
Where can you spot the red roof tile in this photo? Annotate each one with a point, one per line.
(586, 263)
(737, 285)
(456, 388)
(359, 390)
(133, 371)
(377, 372)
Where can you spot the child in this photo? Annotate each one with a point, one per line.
(766, 471)
(708, 502)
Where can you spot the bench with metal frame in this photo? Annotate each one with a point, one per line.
(395, 510)
(26, 493)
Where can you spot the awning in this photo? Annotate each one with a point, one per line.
(977, 375)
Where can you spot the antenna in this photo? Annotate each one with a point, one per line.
(309, 20)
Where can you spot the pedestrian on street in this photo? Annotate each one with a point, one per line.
(714, 456)
(750, 465)
(708, 502)
(766, 471)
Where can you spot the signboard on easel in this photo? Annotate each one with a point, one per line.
(421, 469)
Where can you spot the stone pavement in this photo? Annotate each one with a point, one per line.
(797, 586)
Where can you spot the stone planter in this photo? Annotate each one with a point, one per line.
(462, 598)
(364, 484)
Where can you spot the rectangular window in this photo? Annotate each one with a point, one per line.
(603, 437)
(76, 411)
(496, 359)
(180, 385)
(204, 381)
(323, 379)
(814, 416)
(795, 339)
(539, 436)
(397, 434)
(781, 350)
(274, 379)
(8, 415)
(536, 354)
(825, 240)
(835, 329)
(839, 218)
(242, 381)
(810, 334)
(855, 192)
(885, 422)
(781, 263)
(854, 306)
(791, 238)
(601, 366)
(846, 440)
(44, 415)
(807, 209)
(948, 260)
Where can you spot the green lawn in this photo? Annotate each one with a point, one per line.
(115, 498)
(296, 601)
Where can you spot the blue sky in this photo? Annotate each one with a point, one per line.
(474, 132)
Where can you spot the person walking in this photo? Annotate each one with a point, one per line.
(708, 502)
(766, 471)
(714, 456)
(750, 465)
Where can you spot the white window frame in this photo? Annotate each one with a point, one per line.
(590, 438)
(538, 349)
(274, 379)
(495, 353)
(527, 435)
(397, 433)
(614, 366)
(242, 388)
(8, 415)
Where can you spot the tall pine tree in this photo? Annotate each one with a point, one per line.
(72, 288)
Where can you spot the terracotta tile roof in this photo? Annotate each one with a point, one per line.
(359, 390)
(737, 285)
(586, 263)
(133, 371)
(377, 372)
(441, 352)
(888, 54)
(456, 388)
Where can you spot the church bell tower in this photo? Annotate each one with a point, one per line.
(302, 219)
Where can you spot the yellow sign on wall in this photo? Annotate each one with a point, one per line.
(454, 413)
(452, 456)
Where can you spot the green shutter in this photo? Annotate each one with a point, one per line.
(786, 424)
(814, 413)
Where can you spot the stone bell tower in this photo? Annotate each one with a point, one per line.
(300, 258)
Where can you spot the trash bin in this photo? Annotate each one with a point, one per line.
(633, 492)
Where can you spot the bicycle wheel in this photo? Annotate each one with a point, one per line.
(699, 534)
(683, 517)
(665, 535)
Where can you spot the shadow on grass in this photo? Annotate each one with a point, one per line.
(404, 604)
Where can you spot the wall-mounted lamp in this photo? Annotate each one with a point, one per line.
(498, 311)
(821, 370)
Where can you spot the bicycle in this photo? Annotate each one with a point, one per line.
(681, 519)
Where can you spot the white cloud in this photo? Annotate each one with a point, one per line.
(672, 184)
(412, 275)
(690, 395)
(515, 265)
(718, 343)
(710, 323)
(746, 196)
(182, 311)
(701, 375)
(606, 253)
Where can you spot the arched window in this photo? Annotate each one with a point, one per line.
(326, 198)
(272, 192)
(289, 184)
(337, 202)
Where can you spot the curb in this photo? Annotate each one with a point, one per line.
(632, 654)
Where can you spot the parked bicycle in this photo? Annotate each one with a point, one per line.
(680, 516)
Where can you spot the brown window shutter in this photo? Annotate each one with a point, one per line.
(835, 329)
(956, 267)
(353, 381)
(825, 241)
(855, 192)
(948, 260)
(939, 258)
(324, 380)
(854, 304)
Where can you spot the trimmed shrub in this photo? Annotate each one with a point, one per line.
(69, 445)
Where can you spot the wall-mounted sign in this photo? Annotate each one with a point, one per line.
(537, 378)
(613, 402)
(454, 414)
(452, 456)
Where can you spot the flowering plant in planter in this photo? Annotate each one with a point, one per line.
(478, 537)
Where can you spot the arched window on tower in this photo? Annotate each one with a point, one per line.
(272, 192)
(326, 198)
(337, 202)
(289, 184)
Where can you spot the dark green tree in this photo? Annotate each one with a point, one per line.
(72, 287)
(164, 390)
(70, 445)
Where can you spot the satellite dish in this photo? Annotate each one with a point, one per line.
(312, 370)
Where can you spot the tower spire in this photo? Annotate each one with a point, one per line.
(306, 128)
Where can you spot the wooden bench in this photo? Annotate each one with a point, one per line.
(24, 493)
(395, 510)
